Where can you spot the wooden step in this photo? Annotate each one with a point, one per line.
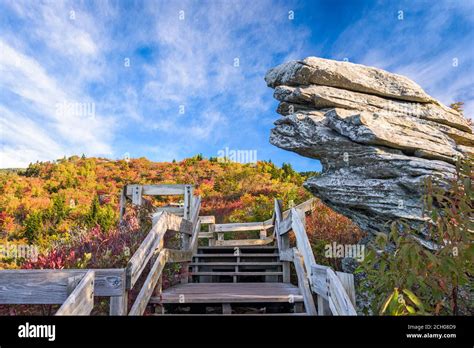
(235, 264)
(265, 247)
(216, 314)
(250, 273)
(230, 293)
(241, 255)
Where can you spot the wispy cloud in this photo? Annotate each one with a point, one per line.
(429, 42)
(169, 79)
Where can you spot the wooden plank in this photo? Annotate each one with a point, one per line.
(303, 283)
(283, 241)
(235, 264)
(152, 241)
(188, 201)
(230, 293)
(136, 194)
(179, 224)
(81, 300)
(48, 286)
(119, 304)
(197, 225)
(195, 238)
(286, 255)
(238, 273)
(172, 210)
(240, 255)
(237, 242)
(230, 298)
(72, 282)
(196, 207)
(243, 247)
(319, 280)
(206, 235)
(323, 306)
(234, 288)
(306, 205)
(339, 301)
(347, 280)
(302, 241)
(238, 315)
(243, 226)
(226, 309)
(212, 229)
(285, 225)
(210, 219)
(148, 287)
(159, 190)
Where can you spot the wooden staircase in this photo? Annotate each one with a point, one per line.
(244, 269)
(233, 280)
(232, 264)
(231, 275)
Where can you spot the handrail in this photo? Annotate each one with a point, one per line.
(81, 299)
(66, 286)
(152, 247)
(323, 280)
(262, 226)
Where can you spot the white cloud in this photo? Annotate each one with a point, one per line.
(417, 47)
(196, 64)
(40, 95)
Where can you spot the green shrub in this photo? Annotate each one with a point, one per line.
(33, 225)
(104, 216)
(397, 264)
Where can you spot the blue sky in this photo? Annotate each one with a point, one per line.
(159, 78)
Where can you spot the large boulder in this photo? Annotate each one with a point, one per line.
(378, 136)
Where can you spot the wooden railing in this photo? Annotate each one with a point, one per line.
(74, 289)
(216, 232)
(331, 288)
(152, 249)
(81, 299)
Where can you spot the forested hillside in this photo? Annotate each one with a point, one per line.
(69, 207)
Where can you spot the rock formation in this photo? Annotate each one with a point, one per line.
(378, 135)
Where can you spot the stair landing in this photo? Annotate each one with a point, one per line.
(230, 293)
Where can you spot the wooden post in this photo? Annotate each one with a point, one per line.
(81, 300)
(226, 308)
(188, 203)
(119, 304)
(212, 229)
(123, 202)
(303, 283)
(137, 194)
(283, 241)
(347, 280)
(323, 306)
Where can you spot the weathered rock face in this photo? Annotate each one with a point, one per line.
(378, 136)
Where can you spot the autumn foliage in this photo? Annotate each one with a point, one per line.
(69, 207)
